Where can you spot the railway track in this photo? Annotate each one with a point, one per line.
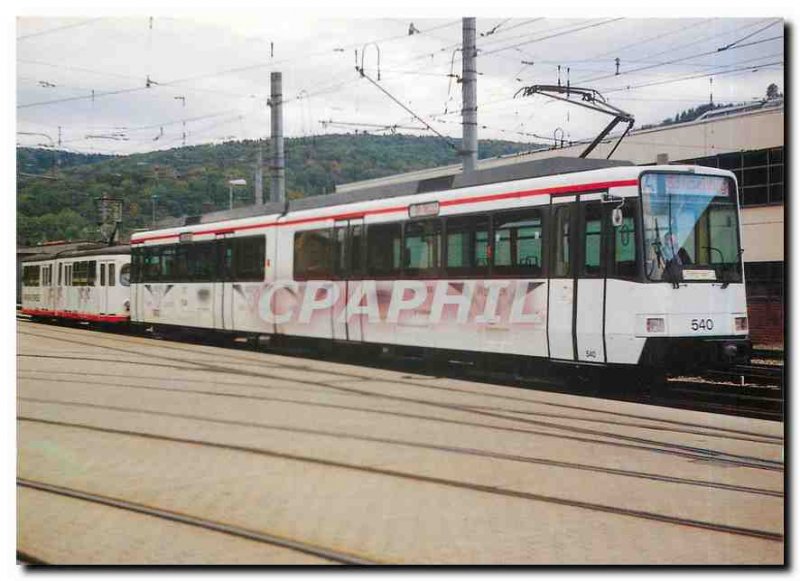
(747, 390)
(329, 554)
(414, 477)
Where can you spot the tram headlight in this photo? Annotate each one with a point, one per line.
(740, 323)
(655, 325)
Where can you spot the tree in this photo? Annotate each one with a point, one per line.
(773, 92)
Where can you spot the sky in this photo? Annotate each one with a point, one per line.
(81, 81)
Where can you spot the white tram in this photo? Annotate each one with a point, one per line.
(86, 285)
(576, 261)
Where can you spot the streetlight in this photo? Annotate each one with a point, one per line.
(231, 183)
(154, 197)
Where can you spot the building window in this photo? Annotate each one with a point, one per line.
(759, 174)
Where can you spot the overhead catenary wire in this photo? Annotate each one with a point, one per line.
(320, 89)
(674, 61)
(700, 76)
(553, 35)
(417, 117)
(59, 28)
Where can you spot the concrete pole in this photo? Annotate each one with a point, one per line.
(278, 185)
(258, 190)
(469, 97)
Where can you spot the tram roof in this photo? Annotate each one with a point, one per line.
(450, 181)
(98, 251)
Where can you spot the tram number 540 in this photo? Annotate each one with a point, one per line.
(702, 324)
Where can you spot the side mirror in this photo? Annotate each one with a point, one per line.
(616, 217)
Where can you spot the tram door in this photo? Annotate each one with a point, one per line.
(561, 295)
(576, 301)
(222, 301)
(107, 279)
(591, 279)
(348, 269)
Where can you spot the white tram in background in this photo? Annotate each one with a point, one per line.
(86, 285)
(577, 261)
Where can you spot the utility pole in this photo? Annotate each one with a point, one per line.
(258, 189)
(278, 185)
(469, 97)
(110, 218)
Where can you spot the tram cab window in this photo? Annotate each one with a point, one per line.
(151, 264)
(422, 247)
(136, 265)
(623, 241)
(125, 275)
(312, 254)
(383, 250)
(30, 275)
(167, 273)
(467, 246)
(518, 246)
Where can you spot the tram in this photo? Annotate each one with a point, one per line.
(573, 261)
(83, 285)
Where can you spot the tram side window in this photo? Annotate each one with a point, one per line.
(248, 258)
(167, 273)
(112, 271)
(30, 275)
(339, 243)
(80, 273)
(518, 246)
(623, 240)
(202, 261)
(562, 231)
(312, 254)
(467, 246)
(180, 269)
(356, 251)
(383, 250)
(422, 247)
(592, 228)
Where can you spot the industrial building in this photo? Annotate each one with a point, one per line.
(747, 140)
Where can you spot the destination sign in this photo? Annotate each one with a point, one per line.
(686, 185)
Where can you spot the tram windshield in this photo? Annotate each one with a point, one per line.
(691, 228)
